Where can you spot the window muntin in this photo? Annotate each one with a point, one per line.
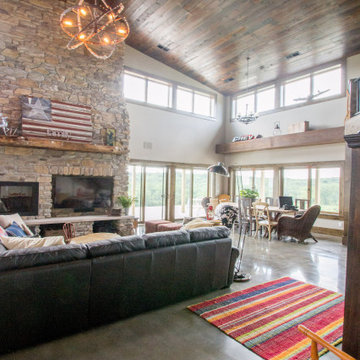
(159, 93)
(265, 99)
(296, 91)
(327, 81)
(134, 87)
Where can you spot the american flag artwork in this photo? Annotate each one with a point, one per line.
(53, 119)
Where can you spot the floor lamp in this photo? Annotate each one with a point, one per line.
(220, 169)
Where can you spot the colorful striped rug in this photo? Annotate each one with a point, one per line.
(264, 318)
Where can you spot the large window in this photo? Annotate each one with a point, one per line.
(195, 102)
(260, 180)
(307, 88)
(307, 185)
(191, 186)
(148, 90)
(148, 185)
(167, 94)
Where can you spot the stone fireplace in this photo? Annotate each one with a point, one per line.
(35, 62)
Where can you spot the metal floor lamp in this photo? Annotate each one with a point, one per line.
(220, 169)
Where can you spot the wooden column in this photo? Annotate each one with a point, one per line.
(351, 343)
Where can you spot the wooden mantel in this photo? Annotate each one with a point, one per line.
(60, 145)
(308, 138)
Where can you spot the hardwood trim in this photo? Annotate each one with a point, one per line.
(327, 231)
(308, 138)
(60, 145)
(329, 216)
(351, 342)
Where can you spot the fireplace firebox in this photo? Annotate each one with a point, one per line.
(19, 197)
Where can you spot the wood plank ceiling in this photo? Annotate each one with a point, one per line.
(209, 40)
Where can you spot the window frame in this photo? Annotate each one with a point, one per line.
(279, 180)
(173, 101)
(279, 89)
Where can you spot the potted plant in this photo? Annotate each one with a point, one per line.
(249, 193)
(125, 201)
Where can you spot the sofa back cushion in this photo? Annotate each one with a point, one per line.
(13, 242)
(24, 258)
(209, 233)
(117, 245)
(166, 238)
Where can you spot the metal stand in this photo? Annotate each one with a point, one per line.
(238, 276)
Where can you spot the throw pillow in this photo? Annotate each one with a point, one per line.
(12, 243)
(2, 231)
(15, 230)
(7, 220)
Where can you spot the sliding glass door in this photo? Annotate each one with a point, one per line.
(155, 193)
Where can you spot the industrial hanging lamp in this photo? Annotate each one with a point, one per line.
(95, 24)
(248, 117)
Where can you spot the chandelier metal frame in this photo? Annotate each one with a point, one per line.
(115, 27)
(247, 118)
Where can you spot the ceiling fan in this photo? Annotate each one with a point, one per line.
(311, 97)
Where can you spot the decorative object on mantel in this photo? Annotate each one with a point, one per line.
(4, 126)
(248, 117)
(277, 130)
(52, 119)
(95, 24)
(110, 137)
(299, 127)
(126, 202)
(243, 138)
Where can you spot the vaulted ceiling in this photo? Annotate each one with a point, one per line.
(209, 40)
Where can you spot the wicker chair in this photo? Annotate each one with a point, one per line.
(299, 228)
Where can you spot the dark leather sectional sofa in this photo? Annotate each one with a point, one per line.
(51, 292)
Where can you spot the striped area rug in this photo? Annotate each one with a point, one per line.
(264, 318)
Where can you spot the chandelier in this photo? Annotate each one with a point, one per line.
(95, 24)
(248, 117)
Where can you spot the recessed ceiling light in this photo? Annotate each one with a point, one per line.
(162, 47)
(294, 54)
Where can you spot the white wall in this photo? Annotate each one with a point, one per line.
(174, 137)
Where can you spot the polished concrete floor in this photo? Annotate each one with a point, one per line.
(176, 333)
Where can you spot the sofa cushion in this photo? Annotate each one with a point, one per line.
(166, 238)
(7, 220)
(23, 258)
(209, 233)
(117, 245)
(15, 230)
(12, 243)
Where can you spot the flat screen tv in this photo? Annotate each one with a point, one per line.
(82, 193)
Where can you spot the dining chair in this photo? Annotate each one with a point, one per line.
(223, 198)
(69, 232)
(262, 218)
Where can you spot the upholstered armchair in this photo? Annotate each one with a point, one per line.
(299, 228)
